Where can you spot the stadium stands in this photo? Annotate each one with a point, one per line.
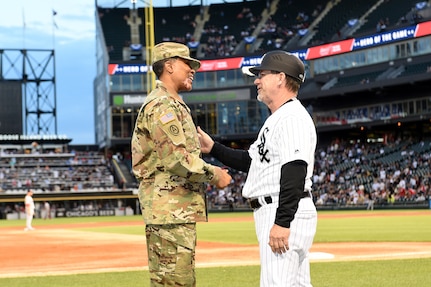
(287, 26)
(418, 68)
(289, 19)
(345, 173)
(351, 170)
(116, 30)
(360, 79)
(395, 172)
(54, 172)
(390, 15)
(339, 16)
(228, 25)
(354, 167)
(175, 24)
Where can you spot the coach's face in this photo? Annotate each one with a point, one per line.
(266, 81)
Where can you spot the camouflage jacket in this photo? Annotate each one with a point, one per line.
(166, 160)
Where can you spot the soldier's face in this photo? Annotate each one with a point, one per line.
(184, 74)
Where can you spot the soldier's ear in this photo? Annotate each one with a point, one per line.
(169, 66)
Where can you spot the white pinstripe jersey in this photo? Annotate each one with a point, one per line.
(288, 134)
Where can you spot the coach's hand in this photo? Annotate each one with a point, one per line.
(279, 239)
(205, 140)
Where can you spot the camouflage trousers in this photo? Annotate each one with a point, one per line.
(171, 254)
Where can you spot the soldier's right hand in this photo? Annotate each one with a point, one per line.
(223, 177)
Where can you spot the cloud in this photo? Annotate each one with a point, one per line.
(75, 21)
(74, 45)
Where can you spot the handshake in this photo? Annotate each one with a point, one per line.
(221, 177)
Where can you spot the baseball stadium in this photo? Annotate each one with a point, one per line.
(367, 78)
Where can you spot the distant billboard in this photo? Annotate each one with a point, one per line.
(11, 117)
(137, 99)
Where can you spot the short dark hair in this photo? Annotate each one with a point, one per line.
(158, 68)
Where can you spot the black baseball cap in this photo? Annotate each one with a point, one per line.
(282, 61)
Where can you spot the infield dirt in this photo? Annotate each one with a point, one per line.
(56, 249)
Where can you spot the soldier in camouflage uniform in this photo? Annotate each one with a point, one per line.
(167, 162)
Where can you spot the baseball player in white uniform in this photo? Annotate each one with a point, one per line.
(279, 164)
(29, 210)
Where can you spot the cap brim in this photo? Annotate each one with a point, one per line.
(195, 64)
(246, 71)
(255, 70)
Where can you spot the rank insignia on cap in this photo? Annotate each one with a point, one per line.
(166, 118)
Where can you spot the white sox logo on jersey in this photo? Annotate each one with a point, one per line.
(261, 147)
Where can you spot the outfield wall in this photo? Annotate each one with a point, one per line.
(125, 202)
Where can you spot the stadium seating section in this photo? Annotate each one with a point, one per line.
(388, 13)
(229, 23)
(175, 24)
(54, 172)
(116, 30)
(344, 173)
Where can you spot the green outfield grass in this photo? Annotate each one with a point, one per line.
(333, 226)
(392, 273)
(351, 226)
(368, 228)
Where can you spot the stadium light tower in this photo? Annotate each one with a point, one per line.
(149, 43)
(27, 91)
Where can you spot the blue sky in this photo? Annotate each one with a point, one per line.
(73, 39)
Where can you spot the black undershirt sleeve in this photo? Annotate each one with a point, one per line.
(292, 183)
(235, 158)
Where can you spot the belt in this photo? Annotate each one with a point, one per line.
(255, 204)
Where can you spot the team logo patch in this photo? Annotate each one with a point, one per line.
(263, 151)
(174, 130)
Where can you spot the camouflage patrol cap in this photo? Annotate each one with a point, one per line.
(282, 61)
(166, 50)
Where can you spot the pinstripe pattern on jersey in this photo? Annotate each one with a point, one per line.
(292, 128)
(291, 268)
(288, 134)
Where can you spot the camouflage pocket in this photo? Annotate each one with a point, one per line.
(171, 254)
(181, 234)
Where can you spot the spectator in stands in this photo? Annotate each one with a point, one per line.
(35, 148)
(29, 210)
(381, 26)
(416, 18)
(166, 160)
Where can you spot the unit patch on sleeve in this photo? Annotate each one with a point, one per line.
(172, 127)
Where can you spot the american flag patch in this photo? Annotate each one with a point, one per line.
(166, 118)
